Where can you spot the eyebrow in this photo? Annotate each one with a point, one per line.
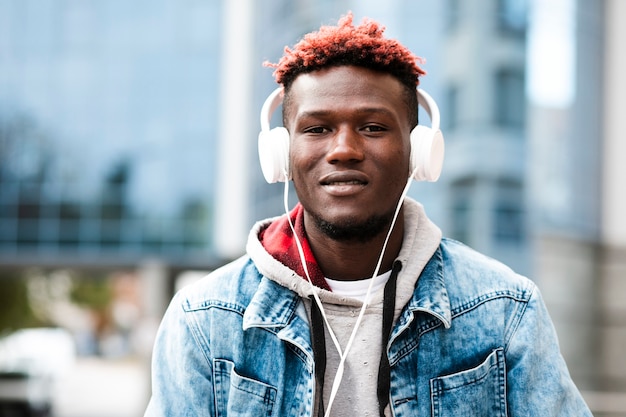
(363, 110)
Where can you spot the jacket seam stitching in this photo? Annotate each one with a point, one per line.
(485, 298)
(518, 320)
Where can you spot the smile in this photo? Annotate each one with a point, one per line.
(344, 183)
(340, 183)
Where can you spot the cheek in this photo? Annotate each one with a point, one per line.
(405, 159)
(397, 172)
(303, 158)
(302, 164)
(397, 163)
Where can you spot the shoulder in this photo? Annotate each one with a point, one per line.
(233, 283)
(468, 272)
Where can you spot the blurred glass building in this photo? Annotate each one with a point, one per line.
(108, 122)
(129, 129)
(128, 132)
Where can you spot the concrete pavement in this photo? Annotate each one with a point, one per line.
(96, 387)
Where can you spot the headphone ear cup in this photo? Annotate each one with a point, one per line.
(427, 151)
(274, 154)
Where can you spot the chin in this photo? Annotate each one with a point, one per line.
(353, 231)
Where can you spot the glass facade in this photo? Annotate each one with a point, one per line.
(107, 128)
(110, 120)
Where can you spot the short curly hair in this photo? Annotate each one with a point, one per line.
(345, 44)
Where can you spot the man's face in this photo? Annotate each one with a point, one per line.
(349, 149)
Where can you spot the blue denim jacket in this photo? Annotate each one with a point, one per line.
(474, 340)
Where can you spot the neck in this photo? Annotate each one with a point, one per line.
(354, 260)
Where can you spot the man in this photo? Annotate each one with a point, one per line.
(353, 304)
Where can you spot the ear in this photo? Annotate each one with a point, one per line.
(274, 154)
(427, 145)
(273, 143)
(427, 152)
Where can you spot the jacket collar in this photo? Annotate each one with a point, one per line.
(430, 297)
(279, 310)
(272, 306)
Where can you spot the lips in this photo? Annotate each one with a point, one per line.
(344, 183)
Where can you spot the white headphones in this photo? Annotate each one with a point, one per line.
(427, 147)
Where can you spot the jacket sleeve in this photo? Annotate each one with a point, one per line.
(182, 384)
(538, 381)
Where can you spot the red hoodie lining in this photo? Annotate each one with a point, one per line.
(279, 241)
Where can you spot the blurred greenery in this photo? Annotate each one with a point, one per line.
(15, 310)
(93, 292)
(88, 290)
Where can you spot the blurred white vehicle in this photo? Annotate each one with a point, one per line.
(31, 361)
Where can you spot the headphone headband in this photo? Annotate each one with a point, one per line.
(426, 101)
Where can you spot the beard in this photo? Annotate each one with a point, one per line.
(351, 231)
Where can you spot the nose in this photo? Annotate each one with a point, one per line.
(346, 146)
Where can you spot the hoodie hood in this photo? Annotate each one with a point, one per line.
(279, 241)
(273, 249)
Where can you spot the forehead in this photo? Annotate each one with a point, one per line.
(343, 88)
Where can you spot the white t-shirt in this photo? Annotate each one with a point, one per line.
(358, 289)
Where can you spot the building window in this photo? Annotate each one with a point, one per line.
(508, 218)
(450, 118)
(510, 100)
(462, 196)
(453, 14)
(512, 16)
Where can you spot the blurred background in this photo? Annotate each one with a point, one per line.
(128, 168)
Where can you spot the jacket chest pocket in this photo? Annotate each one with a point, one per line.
(480, 391)
(238, 396)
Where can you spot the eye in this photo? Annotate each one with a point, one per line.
(374, 128)
(315, 130)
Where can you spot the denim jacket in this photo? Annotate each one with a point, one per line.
(474, 340)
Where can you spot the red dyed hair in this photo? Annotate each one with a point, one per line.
(346, 44)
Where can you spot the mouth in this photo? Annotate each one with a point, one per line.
(339, 183)
(344, 183)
